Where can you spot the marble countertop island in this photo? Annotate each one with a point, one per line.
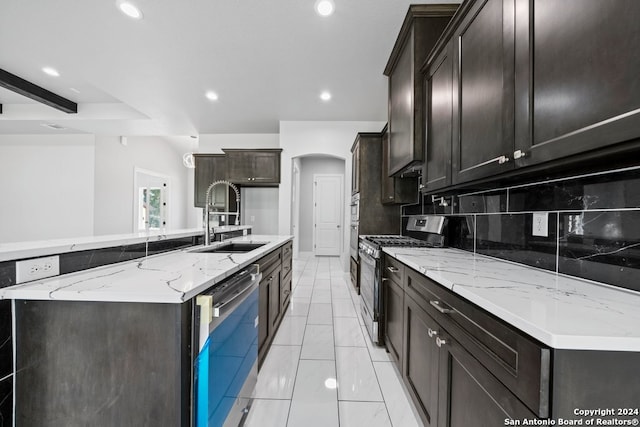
(172, 277)
(561, 311)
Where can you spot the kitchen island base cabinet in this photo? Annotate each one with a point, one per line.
(275, 291)
(102, 364)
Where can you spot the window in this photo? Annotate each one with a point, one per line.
(151, 192)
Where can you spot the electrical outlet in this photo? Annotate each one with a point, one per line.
(37, 268)
(253, 218)
(540, 224)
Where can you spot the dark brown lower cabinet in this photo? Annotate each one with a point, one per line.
(394, 319)
(469, 395)
(263, 313)
(420, 364)
(465, 367)
(448, 385)
(274, 297)
(275, 292)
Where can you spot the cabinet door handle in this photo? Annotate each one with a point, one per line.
(393, 269)
(440, 342)
(518, 154)
(421, 186)
(432, 333)
(440, 308)
(503, 160)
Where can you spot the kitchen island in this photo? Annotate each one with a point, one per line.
(114, 345)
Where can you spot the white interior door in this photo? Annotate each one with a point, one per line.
(327, 214)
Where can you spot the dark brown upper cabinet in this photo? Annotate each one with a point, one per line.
(375, 217)
(436, 172)
(253, 167)
(209, 168)
(577, 86)
(355, 168)
(395, 190)
(422, 27)
(483, 127)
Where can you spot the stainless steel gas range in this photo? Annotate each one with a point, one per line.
(426, 231)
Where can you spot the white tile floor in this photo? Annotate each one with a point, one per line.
(322, 369)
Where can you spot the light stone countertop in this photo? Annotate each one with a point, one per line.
(172, 277)
(561, 311)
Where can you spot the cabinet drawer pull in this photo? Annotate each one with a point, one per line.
(384, 279)
(440, 308)
(503, 160)
(518, 154)
(432, 333)
(440, 342)
(393, 269)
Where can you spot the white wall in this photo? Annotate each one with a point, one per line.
(114, 178)
(259, 207)
(46, 186)
(308, 167)
(299, 138)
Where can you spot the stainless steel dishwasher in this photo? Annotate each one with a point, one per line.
(226, 333)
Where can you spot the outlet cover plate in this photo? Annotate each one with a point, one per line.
(540, 224)
(37, 268)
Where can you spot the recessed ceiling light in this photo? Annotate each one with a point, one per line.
(325, 7)
(51, 71)
(130, 9)
(211, 96)
(325, 96)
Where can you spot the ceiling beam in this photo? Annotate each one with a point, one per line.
(37, 93)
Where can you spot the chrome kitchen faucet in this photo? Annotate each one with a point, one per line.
(207, 208)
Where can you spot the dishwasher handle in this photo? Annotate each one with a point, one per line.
(217, 309)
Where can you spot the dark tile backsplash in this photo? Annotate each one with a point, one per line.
(6, 402)
(6, 346)
(593, 225)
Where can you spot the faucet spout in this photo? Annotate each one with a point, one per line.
(207, 234)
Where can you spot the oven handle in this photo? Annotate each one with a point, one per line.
(367, 258)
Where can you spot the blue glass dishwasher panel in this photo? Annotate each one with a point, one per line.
(224, 363)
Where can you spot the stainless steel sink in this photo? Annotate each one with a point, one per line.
(232, 247)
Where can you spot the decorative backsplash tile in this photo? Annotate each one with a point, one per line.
(6, 345)
(593, 227)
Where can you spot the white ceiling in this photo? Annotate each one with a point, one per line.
(268, 60)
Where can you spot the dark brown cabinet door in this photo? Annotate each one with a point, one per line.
(577, 77)
(483, 123)
(253, 167)
(395, 190)
(401, 118)
(436, 172)
(469, 394)
(274, 298)
(420, 30)
(263, 316)
(394, 319)
(355, 168)
(208, 168)
(421, 358)
(285, 293)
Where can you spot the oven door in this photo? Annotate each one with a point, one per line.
(353, 246)
(369, 290)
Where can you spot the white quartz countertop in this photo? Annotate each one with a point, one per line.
(36, 248)
(172, 277)
(561, 311)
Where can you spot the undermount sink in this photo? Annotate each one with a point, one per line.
(234, 247)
